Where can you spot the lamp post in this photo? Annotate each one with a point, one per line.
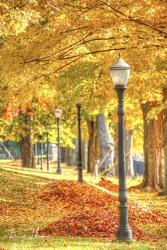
(58, 113)
(120, 72)
(41, 147)
(47, 152)
(38, 152)
(80, 169)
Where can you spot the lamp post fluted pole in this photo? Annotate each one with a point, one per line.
(124, 232)
(59, 171)
(80, 170)
(120, 72)
(58, 113)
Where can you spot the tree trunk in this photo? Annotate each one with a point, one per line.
(165, 139)
(27, 152)
(85, 154)
(153, 150)
(35, 152)
(105, 142)
(63, 158)
(27, 155)
(129, 152)
(92, 145)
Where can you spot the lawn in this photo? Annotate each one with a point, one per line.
(29, 202)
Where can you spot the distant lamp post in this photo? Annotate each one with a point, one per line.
(38, 152)
(41, 151)
(120, 72)
(47, 152)
(58, 113)
(79, 165)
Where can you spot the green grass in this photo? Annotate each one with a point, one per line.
(22, 213)
(52, 243)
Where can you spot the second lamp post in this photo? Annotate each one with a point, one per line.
(80, 170)
(120, 72)
(47, 153)
(58, 113)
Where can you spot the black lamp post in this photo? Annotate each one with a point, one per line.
(38, 153)
(120, 72)
(47, 152)
(58, 113)
(41, 147)
(80, 169)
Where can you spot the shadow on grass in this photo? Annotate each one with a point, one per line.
(28, 176)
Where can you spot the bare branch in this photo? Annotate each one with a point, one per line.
(136, 20)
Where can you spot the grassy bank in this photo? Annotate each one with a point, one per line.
(24, 213)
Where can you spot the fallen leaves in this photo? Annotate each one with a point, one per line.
(72, 209)
(91, 212)
(86, 210)
(108, 185)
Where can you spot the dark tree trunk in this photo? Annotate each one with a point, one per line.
(92, 145)
(165, 139)
(129, 152)
(105, 142)
(33, 165)
(153, 149)
(27, 155)
(63, 160)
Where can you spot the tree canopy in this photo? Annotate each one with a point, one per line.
(53, 51)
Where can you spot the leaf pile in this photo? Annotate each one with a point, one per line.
(108, 185)
(91, 212)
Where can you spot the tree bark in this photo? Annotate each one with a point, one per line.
(92, 145)
(165, 139)
(85, 155)
(63, 156)
(27, 155)
(27, 152)
(105, 142)
(129, 152)
(153, 150)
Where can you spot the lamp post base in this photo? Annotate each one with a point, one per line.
(124, 234)
(58, 172)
